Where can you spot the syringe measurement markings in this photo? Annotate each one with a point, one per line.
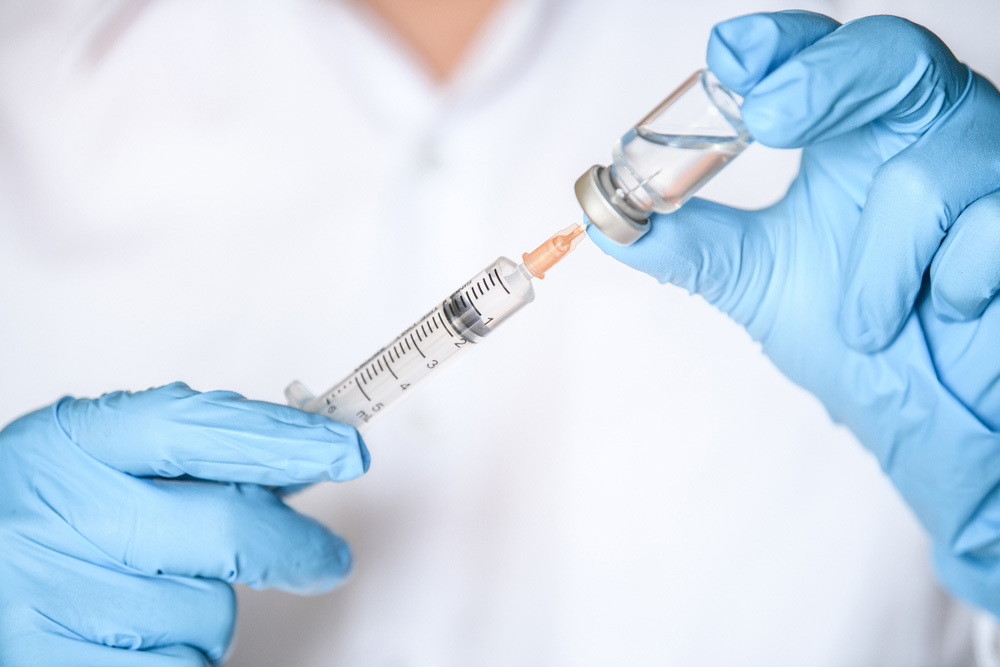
(423, 330)
(418, 347)
(452, 314)
(445, 327)
(389, 368)
(472, 303)
(344, 387)
(499, 280)
(365, 394)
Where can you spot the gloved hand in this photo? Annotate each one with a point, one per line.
(106, 560)
(902, 149)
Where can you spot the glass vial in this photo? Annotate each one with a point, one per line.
(661, 162)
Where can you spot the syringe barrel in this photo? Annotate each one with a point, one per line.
(464, 318)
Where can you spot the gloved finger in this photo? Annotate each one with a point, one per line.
(951, 483)
(912, 201)
(173, 430)
(54, 651)
(975, 579)
(238, 533)
(876, 68)
(178, 655)
(969, 365)
(745, 49)
(965, 273)
(105, 605)
(722, 253)
(47, 645)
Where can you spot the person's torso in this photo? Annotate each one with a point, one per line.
(238, 197)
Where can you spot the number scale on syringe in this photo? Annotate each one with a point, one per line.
(461, 320)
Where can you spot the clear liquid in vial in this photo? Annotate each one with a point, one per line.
(660, 172)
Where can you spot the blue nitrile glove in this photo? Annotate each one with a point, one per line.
(902, 144)
(106, 560)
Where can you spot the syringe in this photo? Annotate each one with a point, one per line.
(460, 321)
(658, 165)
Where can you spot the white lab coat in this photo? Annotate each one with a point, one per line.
(241, 194)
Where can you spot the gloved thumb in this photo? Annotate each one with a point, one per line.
(723, 254)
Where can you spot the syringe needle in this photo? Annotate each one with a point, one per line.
(547, 255)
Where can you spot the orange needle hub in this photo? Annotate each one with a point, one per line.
(547, 255)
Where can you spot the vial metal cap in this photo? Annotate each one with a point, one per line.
(595, 192)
